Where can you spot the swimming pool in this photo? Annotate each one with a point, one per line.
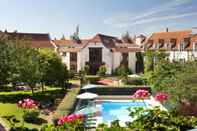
(119, 111)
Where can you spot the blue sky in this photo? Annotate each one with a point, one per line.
(112, 17)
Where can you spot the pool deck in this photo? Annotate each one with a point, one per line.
(114, 97)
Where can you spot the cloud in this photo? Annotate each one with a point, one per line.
(127, 20)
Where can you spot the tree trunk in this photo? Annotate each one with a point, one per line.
(32, 85)
(42, 86)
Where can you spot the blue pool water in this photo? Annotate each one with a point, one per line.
(119, 111)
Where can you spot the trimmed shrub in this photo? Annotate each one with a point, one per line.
(102, 70)
(92, 79)
(122, 71)
(135, 81)
(87, 69)
(31, 116)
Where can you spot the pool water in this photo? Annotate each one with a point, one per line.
(119, 111)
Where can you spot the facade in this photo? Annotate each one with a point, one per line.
(179, 45)
(99, 50)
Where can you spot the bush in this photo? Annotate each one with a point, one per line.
(6, 88)
(87, 69)
(31, 116)
(102, 70)
(76, 125)
(135, 81)
(22, 129)
(122, 71)
(92, 79)
(160, 120)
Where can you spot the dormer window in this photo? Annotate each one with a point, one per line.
(161, 43)
(173, 43)
(150, 41)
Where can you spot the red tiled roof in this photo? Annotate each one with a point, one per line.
(108, 41)
(70, 42)
(167, 36)
(34, 40)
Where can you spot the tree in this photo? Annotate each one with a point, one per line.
(160, 120)
(5, 59)
(52, 68)
(29, 67)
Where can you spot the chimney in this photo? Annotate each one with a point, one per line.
(167, 29)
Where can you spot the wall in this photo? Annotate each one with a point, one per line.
(117, 57)
(66, 59)
(177, 55)
(106, 56)
(132, 61)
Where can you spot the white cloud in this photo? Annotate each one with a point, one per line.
(127, 20)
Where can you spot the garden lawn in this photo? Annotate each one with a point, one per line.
(12, 109)
(8, 106)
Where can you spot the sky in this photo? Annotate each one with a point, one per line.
(110, 17)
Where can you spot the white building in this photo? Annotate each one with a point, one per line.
(99, 50)
(179, 45)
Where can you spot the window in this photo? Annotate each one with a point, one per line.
(95, 55)
(73, 56)
(64, 54)
(150, 41)
(173, 42)
(161, 41)
(124, 59)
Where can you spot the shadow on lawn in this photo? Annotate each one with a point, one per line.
(51, 95)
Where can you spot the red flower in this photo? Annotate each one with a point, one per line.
(141, 94)
(161, 97)
(69, 118)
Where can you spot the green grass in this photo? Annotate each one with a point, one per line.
(67, 103)
(8, 102)
(12, 109)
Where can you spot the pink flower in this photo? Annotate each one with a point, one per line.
(69, 118)
(161, 97)
(141, 94)
(27, 103)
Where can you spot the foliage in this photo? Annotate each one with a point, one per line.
(92, 79)
(122, 71)
(5, 55)
(160, 120)
(52, 68)
(102, 70)
(75, 125)
(114, 127)
(87, 69)
(22, 129)
(31, 116)
(83, 80)
(135, 81)
(30, 66)
(176, 78)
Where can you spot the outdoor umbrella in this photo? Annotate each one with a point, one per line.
(134, 76)
(87, 95)
(89, 86)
